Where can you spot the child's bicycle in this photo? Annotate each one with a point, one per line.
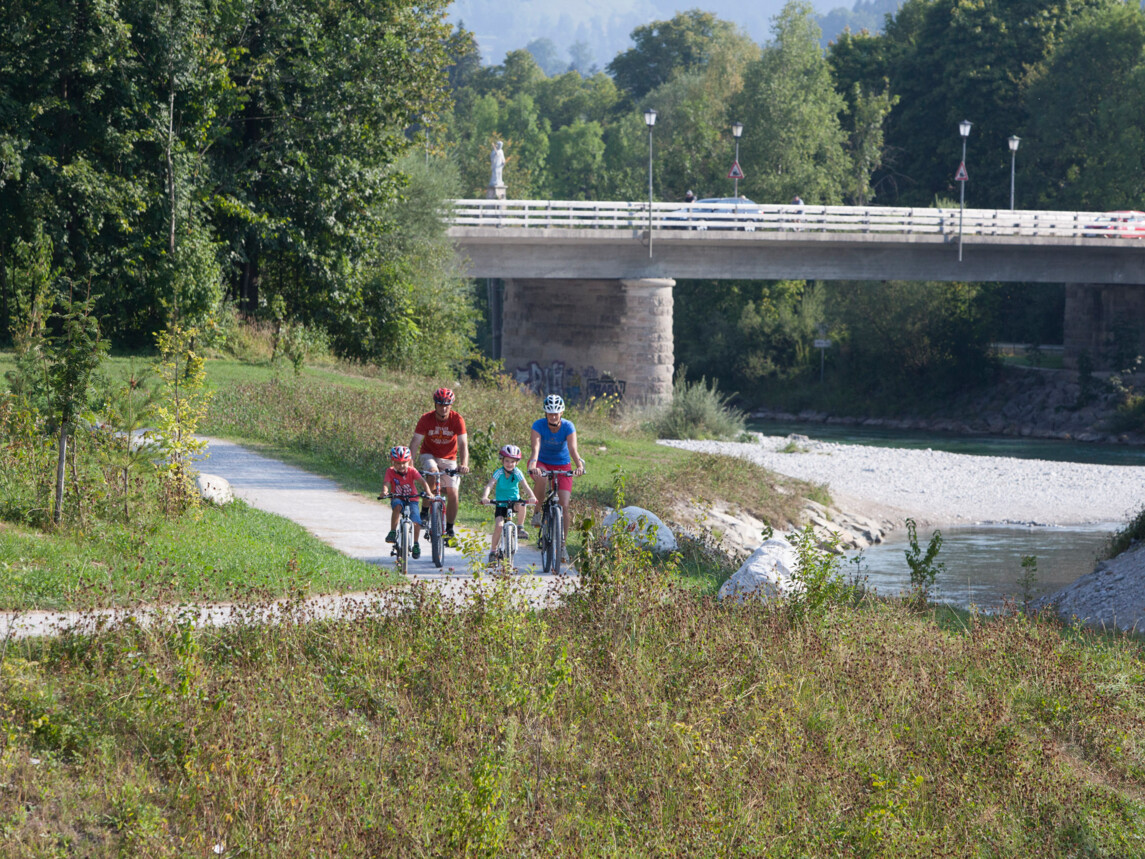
(404, 543)
(507, 547)
(435, 527)
(550, 539)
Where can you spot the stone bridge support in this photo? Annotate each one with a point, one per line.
(585, 338)
(1101, 319)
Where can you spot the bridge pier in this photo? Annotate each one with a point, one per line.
(1097, 316)
(589, 338)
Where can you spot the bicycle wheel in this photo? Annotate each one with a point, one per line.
(543, 542)
(437, 534)
(405, 543)
(556, 538)
(508, 544)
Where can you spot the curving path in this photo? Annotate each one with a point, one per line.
(351, 523)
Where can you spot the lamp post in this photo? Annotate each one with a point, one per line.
(650, 120)
(1013, 141)
(964, 130)
(737, 133)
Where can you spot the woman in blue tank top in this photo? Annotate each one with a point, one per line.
(554, 449)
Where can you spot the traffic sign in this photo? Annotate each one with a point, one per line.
(736, 172)
(822, 344)
(962, 175)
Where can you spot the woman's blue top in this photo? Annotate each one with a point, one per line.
(554, 445)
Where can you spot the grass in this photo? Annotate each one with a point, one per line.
(675, 726)
(227, 553)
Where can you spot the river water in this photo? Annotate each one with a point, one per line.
(983, 563)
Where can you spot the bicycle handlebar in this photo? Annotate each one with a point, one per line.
(511, 503)
(386, 495)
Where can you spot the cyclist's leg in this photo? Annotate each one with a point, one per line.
(540, 487)
(427, 465)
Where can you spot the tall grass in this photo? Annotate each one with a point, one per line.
(698, 410)
(636, 727)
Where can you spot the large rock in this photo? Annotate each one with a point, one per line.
(648, 528)
(214, 489)
(768, 573)
(1112, 596)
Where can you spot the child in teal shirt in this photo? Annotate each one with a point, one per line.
(508, 480)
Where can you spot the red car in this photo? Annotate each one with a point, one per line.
(1118, 225)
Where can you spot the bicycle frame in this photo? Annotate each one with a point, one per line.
(435, 527)
(550, 540)
(508, 543)
(405, 540)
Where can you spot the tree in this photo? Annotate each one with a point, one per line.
(74, 354)
(547, 56)
(796, 144)
(662, 48)
(950, 60)
(1083, 142)
(577, 157)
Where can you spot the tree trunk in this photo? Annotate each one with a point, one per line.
(61, 464)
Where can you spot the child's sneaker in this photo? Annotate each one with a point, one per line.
(564, 554)
(522, 534)
(415, 551)
(392, 537)
(450, 538)
(494, 557)
(536, 520)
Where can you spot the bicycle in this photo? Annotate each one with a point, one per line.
(435, 527)
(507, 547)
(550, 538)
(404, 543)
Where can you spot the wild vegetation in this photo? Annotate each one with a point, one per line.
(634, 720)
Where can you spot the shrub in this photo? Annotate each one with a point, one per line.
(698, 411)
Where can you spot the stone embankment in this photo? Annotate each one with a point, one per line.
(1025, 402)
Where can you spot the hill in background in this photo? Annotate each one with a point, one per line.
(589, 33)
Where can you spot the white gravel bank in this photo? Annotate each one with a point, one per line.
(938, 488)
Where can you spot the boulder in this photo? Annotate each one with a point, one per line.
(214, 489)
(648, 528)
(768, 573)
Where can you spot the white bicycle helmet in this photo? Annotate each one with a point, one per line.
(554, 405)
(511, 451)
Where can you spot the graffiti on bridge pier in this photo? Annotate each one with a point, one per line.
(584, 386)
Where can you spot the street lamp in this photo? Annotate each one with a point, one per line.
(737, 133)
(650, 120)
(1013, 141)
(964, 130)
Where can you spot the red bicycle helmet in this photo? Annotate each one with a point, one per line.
(511, 451)
(444, 396)
(400, 453)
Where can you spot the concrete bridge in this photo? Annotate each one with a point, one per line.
(587, 305)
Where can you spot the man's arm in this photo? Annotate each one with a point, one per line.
(463, 453)
(415, 444)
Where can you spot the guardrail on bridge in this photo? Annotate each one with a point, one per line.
(753, 217)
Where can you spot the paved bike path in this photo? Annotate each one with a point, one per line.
(352, 524)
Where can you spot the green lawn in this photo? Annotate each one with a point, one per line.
(228, 553)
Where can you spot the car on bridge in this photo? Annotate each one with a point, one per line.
(1126, 224)
(716, 213)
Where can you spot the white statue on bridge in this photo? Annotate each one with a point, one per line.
(497, 158)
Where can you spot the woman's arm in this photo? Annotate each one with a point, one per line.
(535, 441)
(574, 454)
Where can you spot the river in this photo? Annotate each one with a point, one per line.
(982, 564)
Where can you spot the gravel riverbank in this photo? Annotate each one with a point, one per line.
(939, 488)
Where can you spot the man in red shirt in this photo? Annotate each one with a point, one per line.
(444, 445)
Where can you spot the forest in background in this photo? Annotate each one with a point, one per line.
(195, 158)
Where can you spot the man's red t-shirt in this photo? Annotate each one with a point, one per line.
(440, 437)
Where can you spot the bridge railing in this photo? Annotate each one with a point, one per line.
(588, 215)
